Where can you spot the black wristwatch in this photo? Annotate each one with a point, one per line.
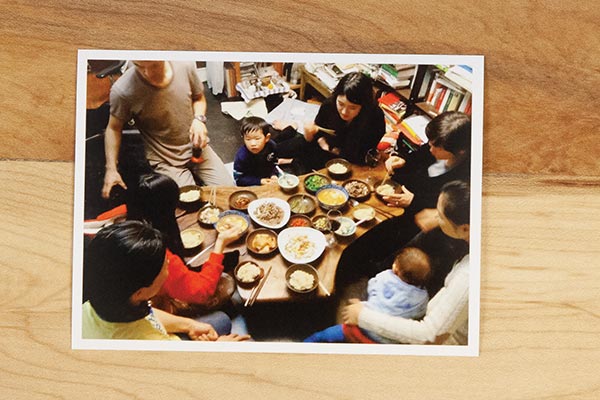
(201, 118)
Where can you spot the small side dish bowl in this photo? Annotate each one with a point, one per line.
(240, 199)
(262, 242)
(248, 273)
(357, 189)
(288, 182)
(190, 197)
(209, 215)
(313, 182)
(299, 220)
(387, 188)
(347, 227)
(363, 212)
(301, 278)
(320, 223)
(338, 168)
(302, 204)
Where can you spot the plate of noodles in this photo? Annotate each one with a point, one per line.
(300, 245)
(272, 213)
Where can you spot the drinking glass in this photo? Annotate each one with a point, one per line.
(332, 225)
(372, 158)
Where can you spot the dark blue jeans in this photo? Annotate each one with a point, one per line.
(333, 334)
(217, 319)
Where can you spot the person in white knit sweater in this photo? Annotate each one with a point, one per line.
(446, 319)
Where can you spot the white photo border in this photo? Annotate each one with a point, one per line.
(472, 349)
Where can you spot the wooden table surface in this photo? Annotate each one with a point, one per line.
(540, 308)
(275, 288)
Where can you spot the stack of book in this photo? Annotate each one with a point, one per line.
(446, 94)
(396, 78)
(410, 132)
(393, 108)
(413, 128)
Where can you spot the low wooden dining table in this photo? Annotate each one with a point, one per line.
(274, 288)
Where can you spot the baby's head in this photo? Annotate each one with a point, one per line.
(413, 266)
(255, 132)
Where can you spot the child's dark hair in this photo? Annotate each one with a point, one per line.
(414, 266)
(121, 259)
(451, 131)
(250, 124)
(457, 202)
(358, 89)
(154, 199)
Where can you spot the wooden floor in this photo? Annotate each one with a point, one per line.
(540, 314)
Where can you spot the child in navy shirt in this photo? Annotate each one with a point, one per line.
(255, 161)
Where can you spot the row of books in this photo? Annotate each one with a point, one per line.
(446, 95)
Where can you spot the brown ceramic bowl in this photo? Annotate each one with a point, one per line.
(313, 182)
(338, 168)
(246, 268)
(292, 281)
(239, 200)
(190, 197)
(357, 189)
(262, 242)
(299, 220)
(209, 215)
(386, 188)
(302, 204)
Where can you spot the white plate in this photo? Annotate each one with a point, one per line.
(315, 239)
(253, 207)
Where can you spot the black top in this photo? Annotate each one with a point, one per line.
(353, 139)
(249, 169)
(414, 175)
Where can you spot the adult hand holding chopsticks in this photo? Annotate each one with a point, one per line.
(400, 199)
(393, 163)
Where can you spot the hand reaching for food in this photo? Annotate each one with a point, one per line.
(403, 199)
(393, 163)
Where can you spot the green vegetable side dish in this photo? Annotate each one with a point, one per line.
(315, 182)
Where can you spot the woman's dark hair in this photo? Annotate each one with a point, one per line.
(358, 89)
(154, 200)
(121, 259)
(457, 202)
(250, 124)
(451, 131)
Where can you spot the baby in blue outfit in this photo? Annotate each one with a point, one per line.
(398, 291)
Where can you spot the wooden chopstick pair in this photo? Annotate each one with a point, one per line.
(256, 290)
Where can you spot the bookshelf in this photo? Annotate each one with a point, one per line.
(439, 88)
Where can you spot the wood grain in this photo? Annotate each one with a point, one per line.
(540, 312)
(542, 61)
